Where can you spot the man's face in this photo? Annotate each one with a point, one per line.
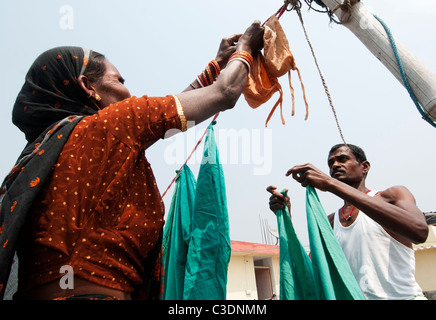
(345, 167)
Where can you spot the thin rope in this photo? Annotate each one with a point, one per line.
(190, 155)
(296, 5)
(346, 6)
(403, 73)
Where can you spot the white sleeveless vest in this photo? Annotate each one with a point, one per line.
(383, 267)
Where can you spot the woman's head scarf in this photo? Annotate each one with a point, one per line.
(47, 109)
(50, 92)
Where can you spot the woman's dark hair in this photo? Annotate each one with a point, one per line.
(96, 67)
(357, 151)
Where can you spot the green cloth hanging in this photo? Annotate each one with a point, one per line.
(327, 276)
(177, 234)
(332, 272)
(296, 275)
(196, 241)
(209, 247)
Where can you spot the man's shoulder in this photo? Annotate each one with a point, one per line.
(394, 193)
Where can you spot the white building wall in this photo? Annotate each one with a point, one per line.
(241, 279)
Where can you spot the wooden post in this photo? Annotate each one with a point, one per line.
(372, 34)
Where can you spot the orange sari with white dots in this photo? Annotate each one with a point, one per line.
(101, 212)
(82, 193)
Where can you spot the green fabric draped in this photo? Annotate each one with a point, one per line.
(197, 245)
(327, 276)
(332, 272)
(296, 275)
(177, 234)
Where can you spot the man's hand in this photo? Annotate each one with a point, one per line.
(277, 201)
(308, 174)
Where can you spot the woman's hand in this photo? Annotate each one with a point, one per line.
(199, 105)
(226, 49)
(252, 40)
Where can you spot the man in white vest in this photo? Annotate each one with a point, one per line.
(375, 228)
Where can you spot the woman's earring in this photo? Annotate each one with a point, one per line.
(96, 97)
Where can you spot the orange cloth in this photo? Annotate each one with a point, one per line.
(277, 61)
(101, 212)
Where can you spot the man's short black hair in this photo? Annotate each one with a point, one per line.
(357, 151)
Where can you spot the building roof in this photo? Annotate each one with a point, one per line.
(430, 217)
(255, 249)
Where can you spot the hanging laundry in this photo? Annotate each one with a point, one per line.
(197, 232)
(276, 61)
(297, 281)
(327, 276)
(330, 267)
(209, 248)
(177, 234)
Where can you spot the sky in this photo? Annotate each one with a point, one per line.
(161, 46)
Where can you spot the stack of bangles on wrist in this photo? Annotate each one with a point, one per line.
(213, 70)
(243, 56)
(209, 75)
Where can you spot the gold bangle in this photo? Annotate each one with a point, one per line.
(181, 113)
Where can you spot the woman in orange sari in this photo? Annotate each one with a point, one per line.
(82, 194)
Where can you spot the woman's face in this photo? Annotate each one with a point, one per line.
(110, 87)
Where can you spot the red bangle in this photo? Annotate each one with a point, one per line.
(216, 67)
(201, 81)
(209, 75)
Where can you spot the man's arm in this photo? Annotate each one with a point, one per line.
(407, 218)
(399, 216)
(394, 209)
